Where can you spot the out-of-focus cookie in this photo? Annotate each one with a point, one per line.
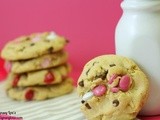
(112, 88)
(40, 92)
(42, 62)
(32, 46)
(42, 77)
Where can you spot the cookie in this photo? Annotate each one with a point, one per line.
(42, 62)
(40, 92)
(112, 88)
(32, 46)
(42, 77)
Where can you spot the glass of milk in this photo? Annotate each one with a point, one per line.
(138, 37)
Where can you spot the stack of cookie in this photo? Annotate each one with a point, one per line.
(37, 67)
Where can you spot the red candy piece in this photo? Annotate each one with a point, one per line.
(114, 89)
(114, 76)
(49, 78)
(99, 90)
(16, 80)
(124, 83)
(29, 95)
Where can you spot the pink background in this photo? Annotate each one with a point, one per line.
(88, 24)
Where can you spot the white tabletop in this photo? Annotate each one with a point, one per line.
(66, 107)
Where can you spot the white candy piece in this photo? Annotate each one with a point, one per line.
(87, 96)
(51, 36)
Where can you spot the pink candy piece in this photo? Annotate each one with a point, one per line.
(45, 63)
(99, 90)
(114, 76)
(16, 41)
(124, 83)
(36, 38)
(8, 66)
(114, 89)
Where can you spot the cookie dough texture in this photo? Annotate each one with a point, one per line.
(32, 46)
(38, 77)
(41, 92)
(121, 105)
(42, 62)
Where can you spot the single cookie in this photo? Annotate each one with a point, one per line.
(42, 77)
(40, 92)
(42, 62)
(32, 46)
(112, 88)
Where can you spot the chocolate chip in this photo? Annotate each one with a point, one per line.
(88, 71)
(27, 38)
(32, 44)
(88, 106)
(101, 68)
(104, 75)
(112, 65)
(50, 50)
(67, 41)
(82, 101)
(81, 83)
(95, 63)
(46, 40)
(21, 49)
(115, 103)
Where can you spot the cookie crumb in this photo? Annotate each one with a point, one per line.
(88, 106)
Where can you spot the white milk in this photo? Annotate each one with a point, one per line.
(138, 37)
